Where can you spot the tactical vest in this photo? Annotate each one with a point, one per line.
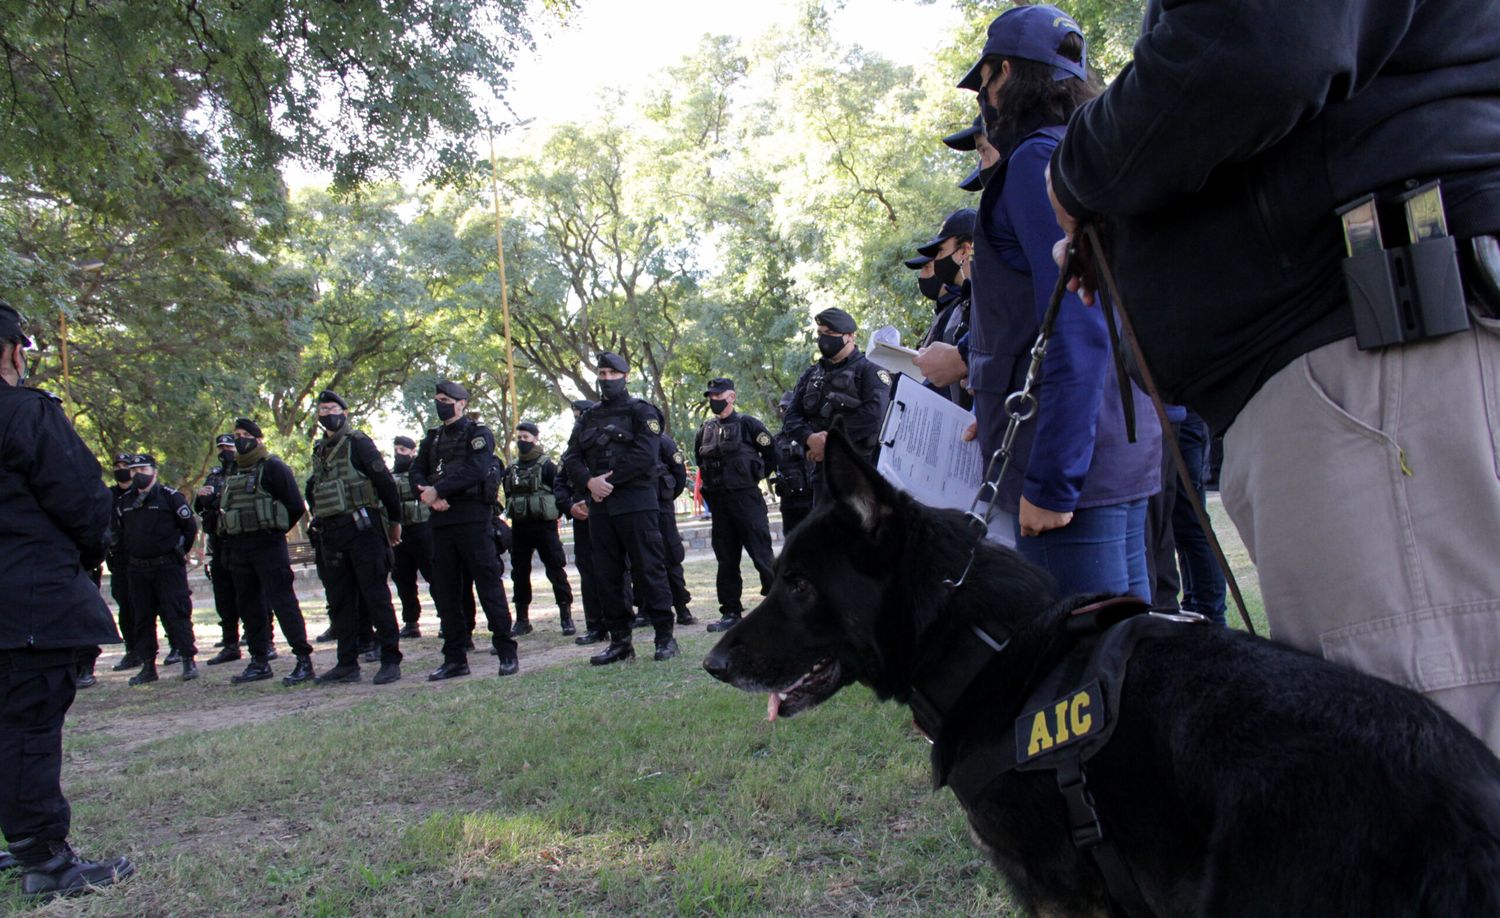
(726, 459)
(528, 498)
(338, 487)
(413, 511)
(246, 507)
(830, 393)
(604, 431)
(792, 475)
(452, 451)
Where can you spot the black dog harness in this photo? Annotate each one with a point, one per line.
(1067, 718)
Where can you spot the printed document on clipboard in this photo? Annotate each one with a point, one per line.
(922, 450)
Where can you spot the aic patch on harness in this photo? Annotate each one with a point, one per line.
(1061, 723)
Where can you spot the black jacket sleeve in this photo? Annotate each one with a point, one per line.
(863, 423)
(763, 443)
(281, 484)
(549, 473)
(421, 466)
(575, 468)
(796, 423)
(369, 463)
(671, 457)
(65, 477)
(187, 524)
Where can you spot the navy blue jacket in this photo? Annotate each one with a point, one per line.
(1074, 453)
(54, 526)
(1222, 151)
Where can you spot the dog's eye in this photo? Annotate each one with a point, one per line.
(800, 585)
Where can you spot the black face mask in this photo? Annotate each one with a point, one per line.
(245, 445)
(946, 270)
(830, 345)
(931, 287)
(612, 389)
(988, 172)
(122, 475)
(717, 405)
(446, 411)
(526, 447)
(403, 463)
(141, 480)
(226, 456)
(331, 422)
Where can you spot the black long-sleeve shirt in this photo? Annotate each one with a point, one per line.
(156, 523)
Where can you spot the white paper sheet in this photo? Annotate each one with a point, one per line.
(922, 450)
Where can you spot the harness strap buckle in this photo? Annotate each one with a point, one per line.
(1083, 818)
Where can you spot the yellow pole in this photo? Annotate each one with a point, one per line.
(63, 344)
(510, 361)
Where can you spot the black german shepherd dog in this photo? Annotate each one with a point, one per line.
(1240, 778)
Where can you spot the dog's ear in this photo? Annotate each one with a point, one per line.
(855, 484)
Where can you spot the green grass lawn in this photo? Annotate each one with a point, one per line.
(641, 788)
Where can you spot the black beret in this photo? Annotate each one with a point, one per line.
(718, 385)
(584, 404)
(840, 321)
(224, 440)
(786, 399)
(407, 442)
(611, 361)
(529, 428)
(453, 390)
(330, 397)
(10, 325)
(249, 427)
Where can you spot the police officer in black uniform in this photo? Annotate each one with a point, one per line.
(951, 251)
(613, 455)
(457, 475)
(844, 384)
(531, 504)
(573, 503)
(414, 551)
(673, 483)
(157, 530)
(54, 524)
(119, 568)
(734, 452)
(260, 505)
(793, 479)
(206, 503)
(358, 509)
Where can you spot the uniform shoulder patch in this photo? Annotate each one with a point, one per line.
(884, 376)
(654, 426)
(763, 438)
(477, 443)
(185, 512)
(677, 457)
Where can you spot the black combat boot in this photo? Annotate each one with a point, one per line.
(339, 674)
(129, 661)
(591, 636)
(509, 665)
(523, 623)
(641, 620)
(684, 617)
(173, 657)
(229, 654)
(189, 669)
(451, 669)
(565, 618)
(8, 863)
(147, 674)
(326, 637)
(302, 672)
(52, 869)
(259, 668)
(666, 650)
(729, 620)
(389, 672)
(618, 649)
(85, 678)
(410, 630)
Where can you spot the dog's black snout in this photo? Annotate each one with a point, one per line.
(717, 664)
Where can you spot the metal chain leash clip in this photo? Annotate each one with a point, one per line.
(1021, 405)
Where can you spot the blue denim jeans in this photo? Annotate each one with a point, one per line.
(1103, 550)
(1202, 581)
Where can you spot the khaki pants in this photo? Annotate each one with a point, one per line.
(1367, 489)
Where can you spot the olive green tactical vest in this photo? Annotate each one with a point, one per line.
(413, 511)
(246, 507)
(527, 498)
(338, 487)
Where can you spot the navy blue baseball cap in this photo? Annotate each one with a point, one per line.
(10, 325)
(916, 263)
(974, 181)
(959, 223)
(1031, 33)
(964, 140)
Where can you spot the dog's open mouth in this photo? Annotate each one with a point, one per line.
(815, 687)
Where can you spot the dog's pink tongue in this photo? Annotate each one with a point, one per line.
(773, 706)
